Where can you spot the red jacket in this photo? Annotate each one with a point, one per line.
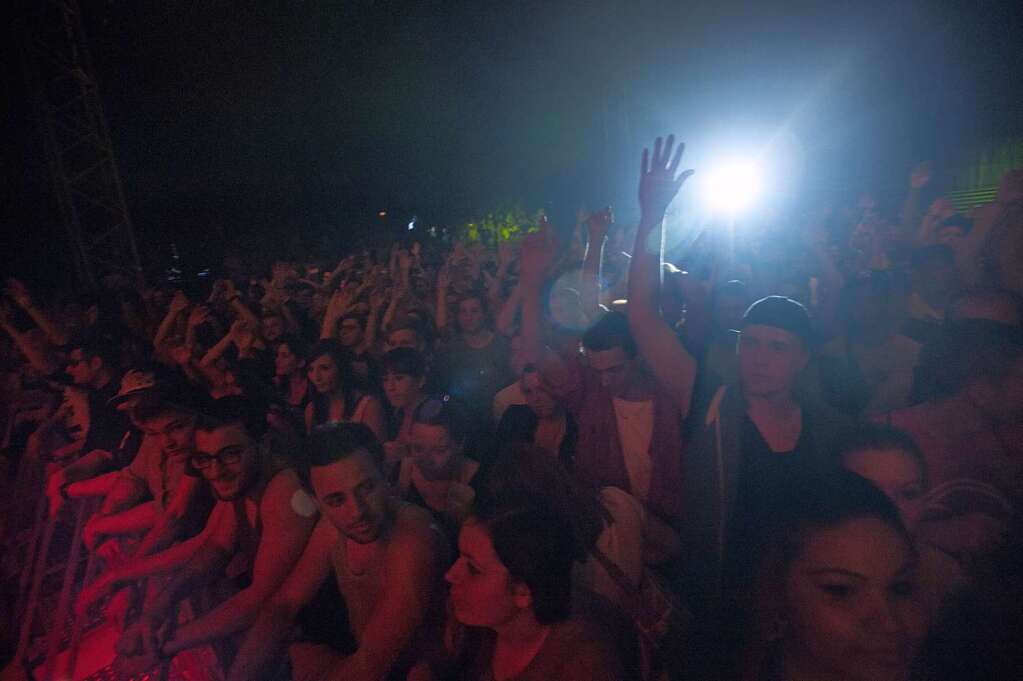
(599, 461)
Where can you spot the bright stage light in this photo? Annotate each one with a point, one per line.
(733, 186)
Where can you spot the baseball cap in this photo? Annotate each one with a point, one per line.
(780, 312)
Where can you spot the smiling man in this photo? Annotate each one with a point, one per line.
(388, 560)
(254, 536)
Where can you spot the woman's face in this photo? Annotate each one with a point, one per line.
(897, 474)
(324, 374)
(482, 592)
(538, 396)
(286, 363)
(402, 390)
(849, 609)
(403, 338)
(432, 450)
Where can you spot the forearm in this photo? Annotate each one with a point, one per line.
(589, 285)
(40, 360)
(645, 271)
(243, 312)
(165, 561)
(87, 466)
(98, 486)
(264, 642)
(53, 330)
(131, 521)
(230, 617)
(216, 352)
(165, 328)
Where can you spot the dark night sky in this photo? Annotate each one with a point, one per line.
(309, 116)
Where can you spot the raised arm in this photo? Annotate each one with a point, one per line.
(659, 183)
(597, 226)
(285, 534)
(538, 252)
(265, 639)
(37, 356)
(55, 332)
(179, 303)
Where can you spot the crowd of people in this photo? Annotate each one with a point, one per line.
(794, 456)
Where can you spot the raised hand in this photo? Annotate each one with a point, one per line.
(659, 180)
(538, 252)
(178, 303)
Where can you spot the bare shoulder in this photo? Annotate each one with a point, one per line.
(416, 534)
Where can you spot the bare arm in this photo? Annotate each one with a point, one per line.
(589, 285)
(37, 356)
(177, 305)
(55, 332)
(284, 536)
(167, 527)
(265, 638)
(671, 365)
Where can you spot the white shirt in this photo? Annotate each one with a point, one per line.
(635, 430)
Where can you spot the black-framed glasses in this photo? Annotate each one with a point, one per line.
(225, 457)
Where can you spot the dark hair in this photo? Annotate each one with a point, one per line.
(296, 344)
(404, 361)
(535, 544)
(441, 410)
(525, 471)
(334, 442)
(879, 436)
(330, 347)
(235, 409)
(610, 331)
(99, 344)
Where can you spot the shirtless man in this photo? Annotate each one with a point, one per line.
(255, 533)
(388, 561)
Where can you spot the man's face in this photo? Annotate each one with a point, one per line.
(82, 369)
(432, 450)
(226, 458)
(350, 332)
(353, 496)
(470, 315)
(272, 327)
(175, 432)
(770, 359)
(615, 368)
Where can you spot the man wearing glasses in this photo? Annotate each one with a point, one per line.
(253, 537)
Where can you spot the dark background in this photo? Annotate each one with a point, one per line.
(298, 121)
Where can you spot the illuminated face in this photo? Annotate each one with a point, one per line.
(403, 338)
(402, 390)
(272, 328)
(82, 370)
(285, 362)
(350, 332)
(353, 496)
(538, 396)
(470, 315)
(849, 609)
(897, 474)
(175, 432)
(614, 367)
(325, 374)
(770, 359)
(432, 450)
(482, 591)
(226, 458)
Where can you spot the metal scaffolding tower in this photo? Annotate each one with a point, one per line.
(79, 150)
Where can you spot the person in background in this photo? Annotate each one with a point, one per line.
(438, 475)
(404, 383)
(542, 420)
(891, 460)
(291, 377)
(338, 398)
